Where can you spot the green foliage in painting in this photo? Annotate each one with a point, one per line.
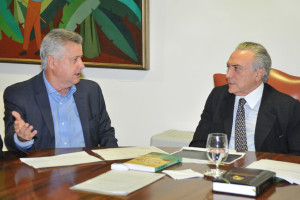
(76, 12)
(9, 26)
(125, 8)
(90, 44)
(51, 11)
(115, 31)
(20, 12)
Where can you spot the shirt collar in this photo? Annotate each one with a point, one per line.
(253, 97)
(51, 90)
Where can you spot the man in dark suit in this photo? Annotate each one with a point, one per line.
(1, 146)
(55, 109)
(272, 119)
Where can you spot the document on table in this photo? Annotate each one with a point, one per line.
(126, 152)
(198, 155)
(118, 182)
(284, 170)
(182, 174)
(61, 160)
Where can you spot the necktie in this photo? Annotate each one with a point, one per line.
(240, 127)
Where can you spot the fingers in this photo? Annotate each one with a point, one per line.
(19, 122)
(27, 132)
(24, 130)
(16, 115)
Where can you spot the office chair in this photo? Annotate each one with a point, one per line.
(281, 81)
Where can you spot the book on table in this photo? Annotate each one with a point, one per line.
(152, 162)
(244, 181)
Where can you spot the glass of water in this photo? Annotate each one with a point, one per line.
(217, 151)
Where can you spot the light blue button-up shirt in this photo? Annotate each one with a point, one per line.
(251, 111)
(67, 124)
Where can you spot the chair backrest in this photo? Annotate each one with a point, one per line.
(283, 82)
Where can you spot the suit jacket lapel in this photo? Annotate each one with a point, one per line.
(227, 112)
(81, 104)
(43, 102)
(265, 119)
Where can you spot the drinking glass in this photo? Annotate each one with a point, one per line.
(217, 151)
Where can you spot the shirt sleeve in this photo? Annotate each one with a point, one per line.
(23, 145)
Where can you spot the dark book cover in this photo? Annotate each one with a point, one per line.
(244, 181)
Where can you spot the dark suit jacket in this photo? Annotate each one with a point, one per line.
(30, 99)
(277, 127)
(1, 146)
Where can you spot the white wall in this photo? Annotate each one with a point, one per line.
(189, 41)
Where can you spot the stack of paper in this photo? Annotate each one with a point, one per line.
(60, 160)
(118, 182)
(199, 155)
(182, 174)
(284, 170)
(126, 152)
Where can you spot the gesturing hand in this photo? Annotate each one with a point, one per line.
(24, 130)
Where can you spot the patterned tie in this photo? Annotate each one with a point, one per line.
(240, 127)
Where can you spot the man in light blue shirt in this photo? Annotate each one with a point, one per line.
(61, 110)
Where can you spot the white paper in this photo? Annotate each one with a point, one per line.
(61, 160)
(118, 182)
(284, 170)
(182, 174)
(126, 152)
(199, 161)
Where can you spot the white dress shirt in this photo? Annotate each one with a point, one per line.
(251, 107)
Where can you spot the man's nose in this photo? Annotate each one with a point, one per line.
(82, 66)
(229, 72)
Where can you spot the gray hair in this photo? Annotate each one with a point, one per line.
(53, 44)
(262, 57)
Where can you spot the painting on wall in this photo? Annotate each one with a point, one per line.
(114, 32)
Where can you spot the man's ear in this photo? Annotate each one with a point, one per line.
(260, 73)
(51, 62)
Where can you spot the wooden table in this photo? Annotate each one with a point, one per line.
(19, 181)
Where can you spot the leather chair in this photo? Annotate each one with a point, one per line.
(281, 81)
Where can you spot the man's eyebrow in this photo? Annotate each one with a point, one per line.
(76, 57)
(236, 65)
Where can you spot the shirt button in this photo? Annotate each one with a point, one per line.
(63, 123)
(60, 103)
(65, 143)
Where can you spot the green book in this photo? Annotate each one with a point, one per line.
(244, 181)
(152, 162)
